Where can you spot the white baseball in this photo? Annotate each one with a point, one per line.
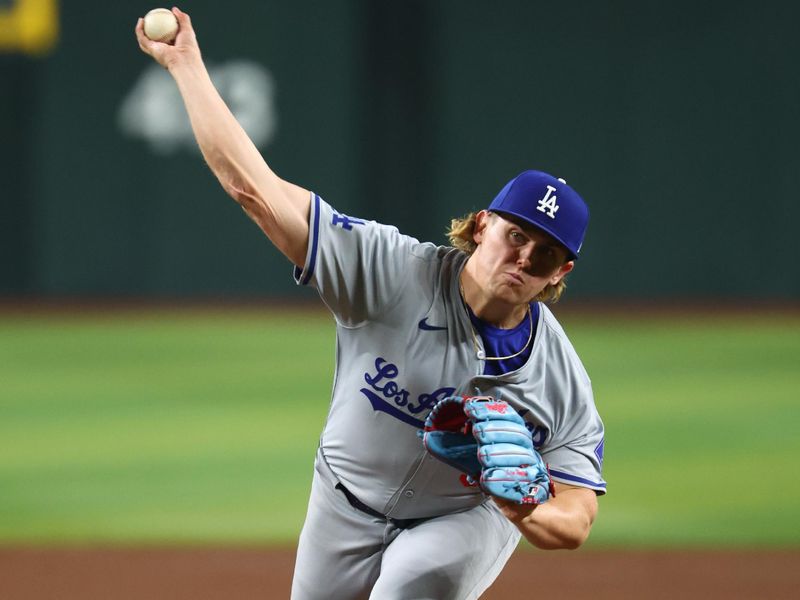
(160, 25)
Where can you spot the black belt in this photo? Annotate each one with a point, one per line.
(359, 505)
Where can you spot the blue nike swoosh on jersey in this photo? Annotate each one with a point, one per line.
(425, 326)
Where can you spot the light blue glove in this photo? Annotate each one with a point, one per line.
(447, 436)
(511, 468)
(486, 439)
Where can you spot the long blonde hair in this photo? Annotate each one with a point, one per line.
(461, 236)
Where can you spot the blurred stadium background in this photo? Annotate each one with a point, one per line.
(163, 381)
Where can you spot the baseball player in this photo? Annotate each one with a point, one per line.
(454, 386)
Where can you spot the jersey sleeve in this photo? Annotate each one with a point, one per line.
(575, 451)
(578, 460)
(357, 266)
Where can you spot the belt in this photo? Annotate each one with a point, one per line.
(359, 505)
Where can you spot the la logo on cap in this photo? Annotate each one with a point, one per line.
(548, 205)
(537, 198)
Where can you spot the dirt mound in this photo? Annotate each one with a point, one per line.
(240, 574)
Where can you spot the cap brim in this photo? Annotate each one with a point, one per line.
(570, 254)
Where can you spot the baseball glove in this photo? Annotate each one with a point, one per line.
(487, 440)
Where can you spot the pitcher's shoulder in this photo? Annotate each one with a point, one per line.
(551, 323)
(556, 339)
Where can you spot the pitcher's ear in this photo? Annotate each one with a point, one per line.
(482, 219)
(562, 272)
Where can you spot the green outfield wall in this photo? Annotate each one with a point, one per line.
(678, 122)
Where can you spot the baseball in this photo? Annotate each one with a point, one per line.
(160, 25)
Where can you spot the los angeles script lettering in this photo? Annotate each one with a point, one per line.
(384, 387)
(385, 395)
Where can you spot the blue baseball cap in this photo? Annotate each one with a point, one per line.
(548, 204)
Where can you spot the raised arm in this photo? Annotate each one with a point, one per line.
(278, 207)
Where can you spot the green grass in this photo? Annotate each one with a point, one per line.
(193, 427)
(702, 417)
(201, 426)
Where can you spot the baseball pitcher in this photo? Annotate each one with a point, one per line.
(461, 417)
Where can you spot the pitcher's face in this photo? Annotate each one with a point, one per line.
(514, 262)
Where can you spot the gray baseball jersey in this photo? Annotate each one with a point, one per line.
(404, 341)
